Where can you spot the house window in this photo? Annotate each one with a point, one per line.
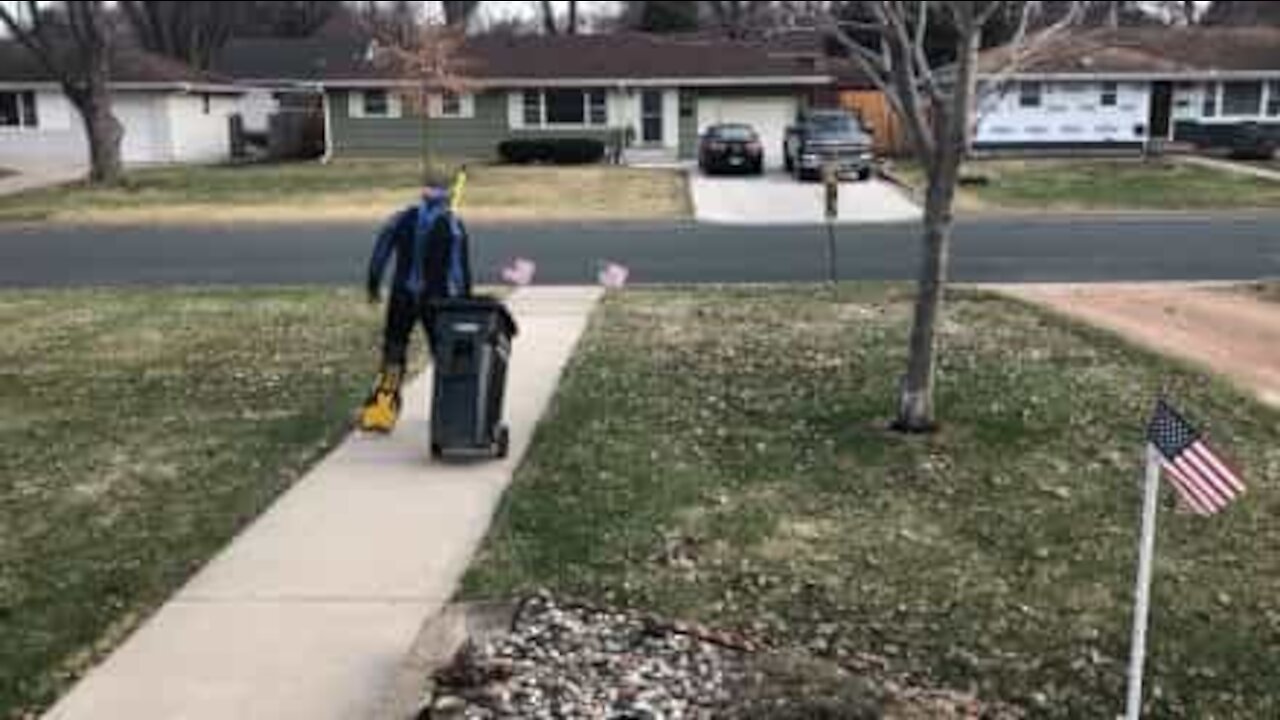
(1209, 105)
(18, 109)
(565, 106)
(1029, 94)
(532, 107)
(450, 104)
(1242, 98)
(1273, 98)
(597, 109)
(1109, 94)
(376, 103)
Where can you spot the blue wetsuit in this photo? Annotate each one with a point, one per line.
(432, 261)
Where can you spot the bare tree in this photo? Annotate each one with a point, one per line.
(286, 18)
(459, 12)
(433, 65)
(659, 16)
(548, 14)
(395, 24)
(193, 32)
(72, 40)
(550, 21)
(738, 19)
(936, 108)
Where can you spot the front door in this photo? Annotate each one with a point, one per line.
(651, 117)
(1161, 108)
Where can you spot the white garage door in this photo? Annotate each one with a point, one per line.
(146, 131)
(770, 116)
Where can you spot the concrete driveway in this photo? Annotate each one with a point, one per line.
(776, 199)
(31, 175)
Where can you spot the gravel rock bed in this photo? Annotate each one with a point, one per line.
(572, 661)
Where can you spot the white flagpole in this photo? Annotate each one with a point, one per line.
(1142, 592)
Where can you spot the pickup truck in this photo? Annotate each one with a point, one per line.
(823, 136)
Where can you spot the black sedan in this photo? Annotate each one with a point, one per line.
(731, 147)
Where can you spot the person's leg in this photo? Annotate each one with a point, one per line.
(427, 315)
(382, 409)
(402, 313)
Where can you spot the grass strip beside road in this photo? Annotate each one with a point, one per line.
(354, 190)
(141, 429)
(721, 455)
(1101, 184)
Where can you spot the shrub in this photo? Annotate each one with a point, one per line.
(558, 151)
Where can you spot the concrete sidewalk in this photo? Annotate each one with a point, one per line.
(1238, 168)
(308, 613)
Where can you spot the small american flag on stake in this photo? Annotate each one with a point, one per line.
(1204, 481)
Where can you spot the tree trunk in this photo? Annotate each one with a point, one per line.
(573, 17)
(103, 131)
(971, 122)
(548, 18)
(951, 129)
(915, 408)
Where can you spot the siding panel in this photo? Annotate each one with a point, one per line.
(473, 138)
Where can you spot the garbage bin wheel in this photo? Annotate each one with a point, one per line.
(437, 452)
(502, 444)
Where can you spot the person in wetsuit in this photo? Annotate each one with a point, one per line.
(429, 244)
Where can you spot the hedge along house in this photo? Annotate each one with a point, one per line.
(658, 93)
(170, 112)
(1132, 88)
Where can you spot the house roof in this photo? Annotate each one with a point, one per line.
(129, 66)
(622, 56)
(1190, 51)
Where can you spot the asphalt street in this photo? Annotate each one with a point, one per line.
(991, 249)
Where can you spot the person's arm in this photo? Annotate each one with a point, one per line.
(382, 248)
(459, 259)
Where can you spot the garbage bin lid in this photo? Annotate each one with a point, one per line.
(478, 304)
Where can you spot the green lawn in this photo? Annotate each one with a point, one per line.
(140, 430)
(1103, 184)
(721, 455)
(353, 190)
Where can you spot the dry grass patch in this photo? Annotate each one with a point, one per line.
(737, 471)
(140, 431)
(354, 191)
(1099, 184)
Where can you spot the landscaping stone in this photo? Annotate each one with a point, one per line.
(574, 661)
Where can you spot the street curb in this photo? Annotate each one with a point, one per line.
(438, 641)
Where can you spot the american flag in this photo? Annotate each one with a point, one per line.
(613, 275)
(1204, 481)
(520, 272)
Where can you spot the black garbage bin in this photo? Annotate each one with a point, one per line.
(472, 348)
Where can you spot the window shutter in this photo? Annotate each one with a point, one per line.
(515, 109)
(468, 105)
(395, 104)
(355, 104)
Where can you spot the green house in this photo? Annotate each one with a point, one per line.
(648, 96)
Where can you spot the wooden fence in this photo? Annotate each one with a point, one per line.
(875, 112)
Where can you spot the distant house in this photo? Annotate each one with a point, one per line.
(171, 113)
(661, 91)
(1131, 87)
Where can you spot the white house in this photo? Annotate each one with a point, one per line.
(1132, 86)
(171, 113)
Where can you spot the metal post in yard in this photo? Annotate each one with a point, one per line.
(1142, 587)
(831, 187)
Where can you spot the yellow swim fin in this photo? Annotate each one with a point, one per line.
(382, 409)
